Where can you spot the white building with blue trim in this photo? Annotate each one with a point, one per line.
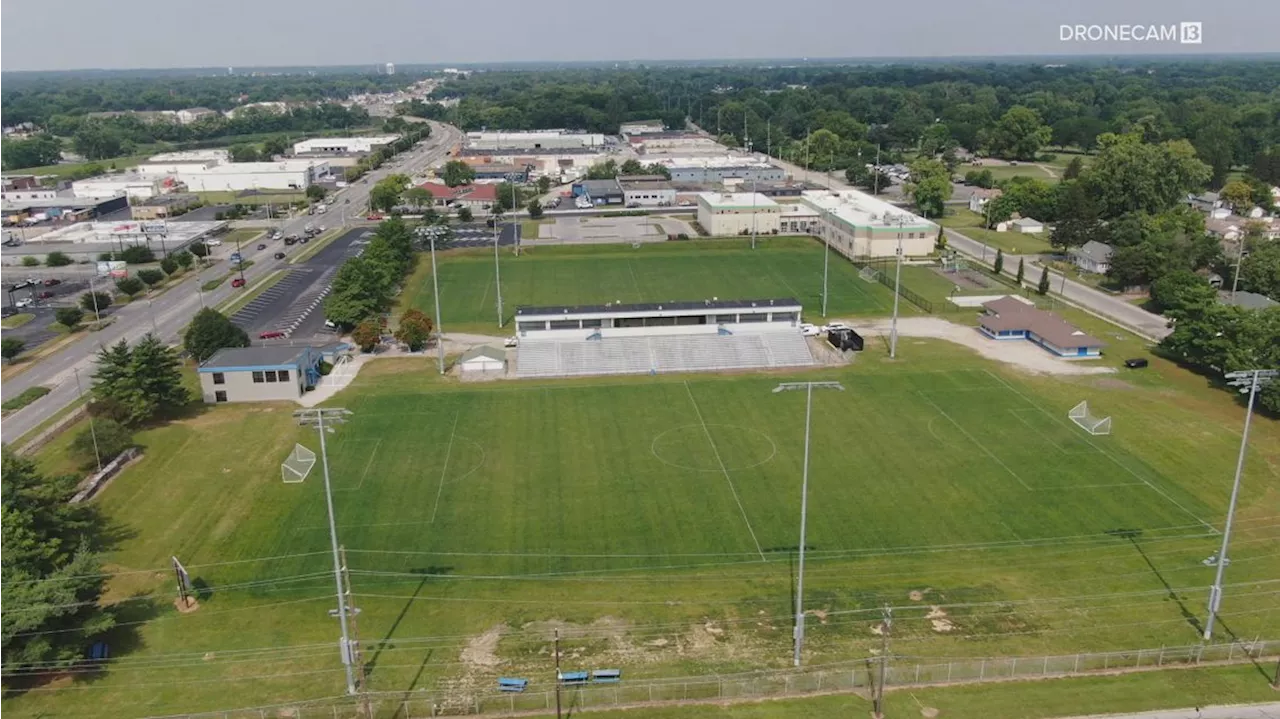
(259, 374)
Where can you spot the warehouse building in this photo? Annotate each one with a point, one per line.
(163, 207)
(647, 191)
(856, 224)
(343, 145)
(259, 374)
(715, 170)
(238, 176)
(736, 213)
(599, 192)
(135, 185)
(539, 140)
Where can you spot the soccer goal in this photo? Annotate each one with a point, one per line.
(1092, 424)
(297, 465)
(869, 273)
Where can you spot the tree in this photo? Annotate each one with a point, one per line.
(657, 168)
(95, 301)
(1019, 134)
(142, 381)
(168, 265)
(418, 196)
(457, 172)
(129, 286)
(980, 178)
(1078, 220)
(150, 276)
(68, 317)
(98, 141)
(367, 334)
(509, 197)
(315, 193)
(243, 153)
(606, 170)
(52, 577)
(106, 440)
(1073, 169)
(38, 151)
(1181, 292)
(184, 259)
(631, 167)
(210, 331)
(464, 214)
(1239, 195)
(385, 194)
(544, 184)
(535, 208)
(931, 195)
(11, 347)
(273, 146)
(1022, 270)
(999, 263)
(199, 249)
(57, 259)
(1260, 270)
(138, 255)
(359, 291)
(1043, 287)
(1129, 175)
(414, 330)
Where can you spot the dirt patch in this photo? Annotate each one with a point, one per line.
(187, 607)
(877, 629)
(821, 614)
(916, 595)
(481, 652)
(938, 618)
(964, 279)
(928, 712)
(1023, 355)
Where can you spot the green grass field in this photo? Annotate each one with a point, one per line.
(596, 274)
(970, 224)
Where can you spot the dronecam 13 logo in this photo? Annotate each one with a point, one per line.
(1186, 33)
(1189, 33)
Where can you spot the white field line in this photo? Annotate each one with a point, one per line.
(445, 469)
(975, 441)
(725, 470)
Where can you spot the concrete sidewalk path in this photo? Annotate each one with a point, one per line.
(1236, 711)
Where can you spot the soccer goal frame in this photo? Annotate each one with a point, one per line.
(295, 468)
(1089, 422)
(869, 274)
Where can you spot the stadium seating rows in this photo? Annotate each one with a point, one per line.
(662, 353)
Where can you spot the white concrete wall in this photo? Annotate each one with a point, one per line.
(236, 181)
(240, 387)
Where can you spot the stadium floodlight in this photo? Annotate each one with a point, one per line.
(1247, 381)
(808, 387)
(432, 233)
(318, 418)
(897, 292)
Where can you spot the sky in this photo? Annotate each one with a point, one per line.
(119, 34)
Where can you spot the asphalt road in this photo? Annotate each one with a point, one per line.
(168, 314)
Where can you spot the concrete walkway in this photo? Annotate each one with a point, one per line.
(1236, 711)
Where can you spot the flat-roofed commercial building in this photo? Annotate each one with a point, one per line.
(856, 224)
(259, 374)
(738, 213)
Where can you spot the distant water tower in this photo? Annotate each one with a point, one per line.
(391, 68)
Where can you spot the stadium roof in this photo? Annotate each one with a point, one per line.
(676, 306)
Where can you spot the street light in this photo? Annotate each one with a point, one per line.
(897, 287)
(808, 387)
(1247, 381)
(497, 269)
(317, 418)
(432, 233)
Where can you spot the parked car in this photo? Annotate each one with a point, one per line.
(24, 302)
(44, 295)
(835, 326)
(279, 255)
(51, 282)
(262, 247)
(1136, 363)
(373, 216)
(270, 335)
(213, 243)
(511, 342)
(237, 282)
(331, 324)
(809, 330)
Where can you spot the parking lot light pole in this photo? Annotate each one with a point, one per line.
(435, 283)
(897, 288)
(497, 268)
(1248, 381)
(808, 387)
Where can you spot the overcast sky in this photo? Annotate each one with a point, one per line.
(73, 34)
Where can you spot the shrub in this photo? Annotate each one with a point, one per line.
(88, 300)
(68, 317)
(169, 265)
(129, 286)
(30, 261)
(151, 277)
(57, 259)
(104, 257)
(106, 439)
(138, 254)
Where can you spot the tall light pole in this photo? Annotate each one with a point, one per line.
(432, 233)
(93, 434)
(804, 501)
(826, 262)
(1248, 381)
(317, 418)
(497, 269)
(897, 287)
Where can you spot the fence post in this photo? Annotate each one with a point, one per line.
(1231, 650)
(982, 670)
(1160, 659)
(1013, 668)
(948, 671)
(1045, 669)
(917, 674)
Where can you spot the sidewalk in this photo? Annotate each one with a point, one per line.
(1239, 711)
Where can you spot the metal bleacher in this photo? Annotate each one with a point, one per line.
(662, 354)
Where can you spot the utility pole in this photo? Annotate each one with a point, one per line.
(886, 626)
(1235, 280)
(826, 262)
(432, 232)
(808, 131)
(97, 315)
(753, 211)
(1247, 381)
(93, 435)
(557, 674)
(497, 270)
(798, 631)
(897, 287)
(875, 173)
(317, 418)
(768, 137)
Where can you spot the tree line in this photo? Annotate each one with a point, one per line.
(364, 287)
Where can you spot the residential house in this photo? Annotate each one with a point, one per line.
(1205, 202)
(192, 114)
(979, 197)
(1092, 257)
(476, 197)
(1027, 226)
(1249, 300)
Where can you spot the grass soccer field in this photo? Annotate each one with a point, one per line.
(653, 521)
(657, 272)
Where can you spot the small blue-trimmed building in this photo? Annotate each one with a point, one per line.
(1010, 318)
(259, 374)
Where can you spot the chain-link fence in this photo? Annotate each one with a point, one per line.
(849, 676)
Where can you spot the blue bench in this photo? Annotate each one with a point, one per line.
(509, 684)
(606, 676)
(573, 678)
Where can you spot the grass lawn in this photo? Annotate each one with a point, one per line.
(232, 197)
(17, 320)
(588, 274)
(243, 236)
(970, 224)
(653, 520)
(1023, 169)
(118, 163)
(27, 396)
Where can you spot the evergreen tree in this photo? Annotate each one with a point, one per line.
(1043, 287)
(1022, 270)
(157, 372)
(999, 265)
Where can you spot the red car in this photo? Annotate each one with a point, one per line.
(271, 335)
(373, 216)
(51, 282)
(237, 282)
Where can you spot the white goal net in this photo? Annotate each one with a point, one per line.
(869, 274)
(297, 465)
(1091, 423)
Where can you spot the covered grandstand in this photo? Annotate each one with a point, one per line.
(653, 338)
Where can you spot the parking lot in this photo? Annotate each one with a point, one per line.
(45, 300)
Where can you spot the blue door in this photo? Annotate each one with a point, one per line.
(1082, 352)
